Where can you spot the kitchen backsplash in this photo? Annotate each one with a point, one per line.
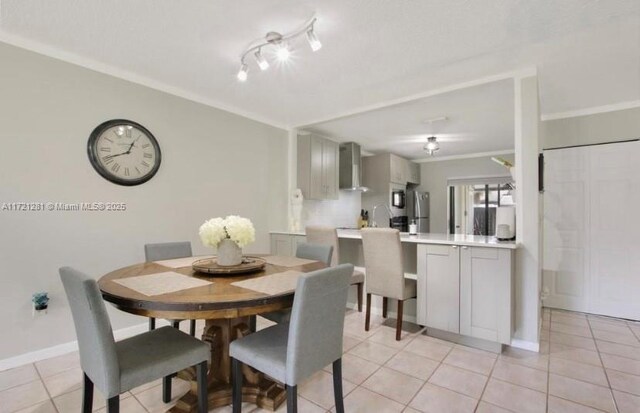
(341, 213)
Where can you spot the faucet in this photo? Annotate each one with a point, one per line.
(373, 216)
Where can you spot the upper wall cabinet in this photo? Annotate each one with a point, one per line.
(317, 167)
(380, 170)
(413, 176)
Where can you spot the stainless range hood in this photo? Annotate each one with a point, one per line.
(351, 167)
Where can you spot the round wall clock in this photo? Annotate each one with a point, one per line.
(124, 152)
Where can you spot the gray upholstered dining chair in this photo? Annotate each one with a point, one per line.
(168, 251)
(329, 236)
(310, 252)
(291, 352)
(385, 272)
(116, 367)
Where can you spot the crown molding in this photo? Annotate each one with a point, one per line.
(75, 59)
(591, 111)
(465, 156)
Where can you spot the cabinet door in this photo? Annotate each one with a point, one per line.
(330, 153)
(316, 175)
(414, 172)
(397, 165)
(281, 245)
(485, 293)
(443, 287)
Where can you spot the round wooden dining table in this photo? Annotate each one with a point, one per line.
(227, 310)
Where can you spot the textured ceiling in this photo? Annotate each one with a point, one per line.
(586, 51)
(479, 119)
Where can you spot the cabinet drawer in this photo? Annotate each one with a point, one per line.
(439, 249)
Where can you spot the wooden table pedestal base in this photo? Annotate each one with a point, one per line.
(257, 387)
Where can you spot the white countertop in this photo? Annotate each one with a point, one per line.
(429, 238)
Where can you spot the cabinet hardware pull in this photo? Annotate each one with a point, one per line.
(464, 247)
(454, 246)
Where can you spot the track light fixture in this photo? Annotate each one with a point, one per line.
(281, 44)
(432, 145)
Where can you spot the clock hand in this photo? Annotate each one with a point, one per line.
(133, 143)
(113, 156)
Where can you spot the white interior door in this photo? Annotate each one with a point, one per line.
(591, 243)
(615, 229)
(565, 266)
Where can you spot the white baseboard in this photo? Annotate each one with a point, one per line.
(65, 348)
(525, 345)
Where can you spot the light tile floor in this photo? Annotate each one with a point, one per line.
(586, 364)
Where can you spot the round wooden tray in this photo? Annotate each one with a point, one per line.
(211, 266)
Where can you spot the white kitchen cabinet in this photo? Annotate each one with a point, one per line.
(413, 174)
(381, 170)
(466, 290)
(285, 244)
(398, 170)
(485, 293)
(439, 281)
(318, 167)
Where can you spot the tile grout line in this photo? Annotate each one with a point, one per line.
(484, 388)
(573, 401)
(22, 384)
(615, 402)
(384, 365)
(440, 363)
(55, 407)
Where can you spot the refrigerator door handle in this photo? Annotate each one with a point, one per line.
(417, 207)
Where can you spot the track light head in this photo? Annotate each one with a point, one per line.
(242, 73)
(262, 62)
(283, 52)
(314, 43)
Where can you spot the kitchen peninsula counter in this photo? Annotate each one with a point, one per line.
(427, 238)
(464, 282)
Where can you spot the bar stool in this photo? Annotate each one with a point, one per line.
(329, 236)
(385, 271)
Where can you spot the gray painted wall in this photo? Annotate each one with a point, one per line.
(214, 163)
(434, 175)
(598, 128)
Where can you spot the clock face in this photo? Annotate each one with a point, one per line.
(124, 152)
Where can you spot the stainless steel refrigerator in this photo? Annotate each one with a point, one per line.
(418, 209)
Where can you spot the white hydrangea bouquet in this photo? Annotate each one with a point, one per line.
(229, 235)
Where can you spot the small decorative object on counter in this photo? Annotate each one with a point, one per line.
(366, 219)
(40, 302)
(413, 228)
(229, 235)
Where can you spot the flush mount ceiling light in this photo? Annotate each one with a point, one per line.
(432, 145)
(279, 42)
